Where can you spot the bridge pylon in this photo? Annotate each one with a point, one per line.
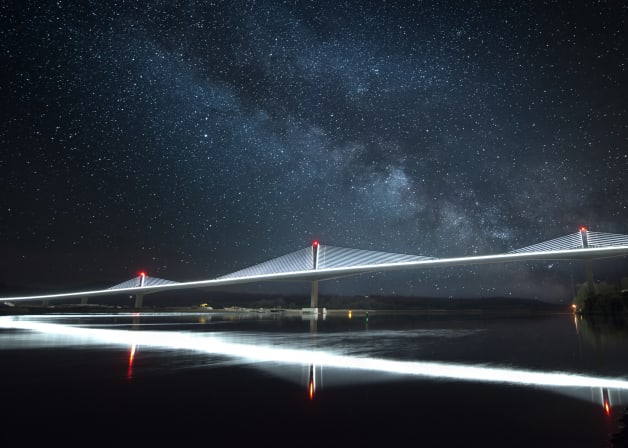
(313, 309)
(588, 267)
(314, 293)
(139, 298)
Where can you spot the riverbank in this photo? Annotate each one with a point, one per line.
(289, 312)
(610, 304)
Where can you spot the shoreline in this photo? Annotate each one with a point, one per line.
(290, 312)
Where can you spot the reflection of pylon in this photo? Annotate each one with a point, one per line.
(312, 382)
(607, 402)
(129, 373)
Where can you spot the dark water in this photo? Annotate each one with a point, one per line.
(262, 378)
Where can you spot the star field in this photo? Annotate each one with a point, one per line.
(192, 139)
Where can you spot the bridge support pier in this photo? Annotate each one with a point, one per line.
(588, 268)
(83, 300)
(314, 294)
(313, 309)
(138, 300)
(589, 273)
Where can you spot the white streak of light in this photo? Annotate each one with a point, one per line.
(220, 345)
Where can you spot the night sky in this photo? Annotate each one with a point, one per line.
(192, 139)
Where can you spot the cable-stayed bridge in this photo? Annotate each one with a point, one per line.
(320, 262)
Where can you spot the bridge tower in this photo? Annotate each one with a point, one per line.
(140, 297)
(313, 309)
(587, 263)
(314, 291)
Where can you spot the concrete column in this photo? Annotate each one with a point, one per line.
(138, 300)
(314, 294)
(588, 268)
(83, 300)
(314, 291)
(589, 272)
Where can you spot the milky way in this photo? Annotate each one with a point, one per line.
(192, 139)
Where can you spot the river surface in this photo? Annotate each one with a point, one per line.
(347, 378)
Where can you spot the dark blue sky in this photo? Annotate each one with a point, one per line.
(192, 139)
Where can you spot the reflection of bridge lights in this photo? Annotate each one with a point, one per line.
(237, 347)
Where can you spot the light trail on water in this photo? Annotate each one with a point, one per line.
(222, 344)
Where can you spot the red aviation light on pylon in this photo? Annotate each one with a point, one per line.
(142, 278)
(583, 229)
(315, 243)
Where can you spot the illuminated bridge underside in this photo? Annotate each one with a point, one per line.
(319, 262)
